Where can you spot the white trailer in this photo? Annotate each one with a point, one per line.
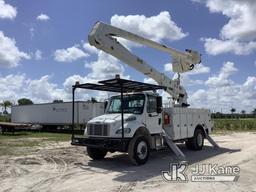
(56, 114)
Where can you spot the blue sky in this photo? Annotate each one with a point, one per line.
(44, 47)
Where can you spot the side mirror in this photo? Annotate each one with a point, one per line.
(159, 104)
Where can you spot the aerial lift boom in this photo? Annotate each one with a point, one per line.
(104, 37)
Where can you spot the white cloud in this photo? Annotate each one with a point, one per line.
(248, 89)
(14, 87)
(238, 35)
(7, 11)
(150, 81)
(41, 90)
(222, 79)
(217, 96)
(38, 54)
(10, 55)
(186, 79)
(198, 69)
(90, 49)
(80, 93)
(222, 93)
(70, 54)
(43, 17)
(156, 28)
(215, 46)
(105, 67)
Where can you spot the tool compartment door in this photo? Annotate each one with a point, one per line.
(183, 125)
(190, 127)
(176, 123)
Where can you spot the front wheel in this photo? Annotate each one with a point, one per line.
(138, 150)
(96, 153)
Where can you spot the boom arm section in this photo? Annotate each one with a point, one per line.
(103, 36)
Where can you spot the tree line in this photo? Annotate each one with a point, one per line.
(234, 114)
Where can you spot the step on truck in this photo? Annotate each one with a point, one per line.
(135, 121)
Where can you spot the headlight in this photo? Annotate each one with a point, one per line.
(126, 131)
(132, 118)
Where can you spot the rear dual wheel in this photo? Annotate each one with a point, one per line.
(197, 141)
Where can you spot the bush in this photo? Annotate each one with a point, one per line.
(235, 124)
(5, 118)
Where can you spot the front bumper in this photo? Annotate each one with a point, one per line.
(111, 144)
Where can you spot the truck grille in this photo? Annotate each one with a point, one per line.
(98, 129)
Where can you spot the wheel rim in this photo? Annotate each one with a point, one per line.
(142, 150)
(199, 139)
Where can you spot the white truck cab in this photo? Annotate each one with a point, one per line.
(140, 110)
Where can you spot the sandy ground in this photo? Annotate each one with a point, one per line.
(63, 167)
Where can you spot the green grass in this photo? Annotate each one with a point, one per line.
(246, 124)
(46, 136)
(25, 142)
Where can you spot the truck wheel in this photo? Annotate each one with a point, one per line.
(96, 153)
(197, 142)
(138, 150)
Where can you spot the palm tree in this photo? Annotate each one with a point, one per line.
(233, 110)
(6, 104)
(243, 113)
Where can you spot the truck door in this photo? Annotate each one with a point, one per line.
(153, 119)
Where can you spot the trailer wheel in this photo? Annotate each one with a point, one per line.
(138, 150)
(96, 153)
(197, 142)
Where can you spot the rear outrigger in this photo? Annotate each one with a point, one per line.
(135, 121)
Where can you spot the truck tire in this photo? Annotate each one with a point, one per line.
(197, 142)
(96, 153)
(138, 150)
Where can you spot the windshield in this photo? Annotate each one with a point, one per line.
(131, 104)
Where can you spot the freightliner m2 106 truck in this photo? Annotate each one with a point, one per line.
(135, 121)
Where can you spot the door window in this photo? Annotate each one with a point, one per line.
(151, 107)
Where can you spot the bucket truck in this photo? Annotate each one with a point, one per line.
(135, 122)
